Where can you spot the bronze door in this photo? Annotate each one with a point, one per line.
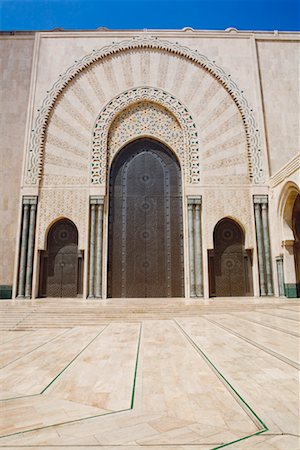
(145, 223)
(230, 260)
(60, 263)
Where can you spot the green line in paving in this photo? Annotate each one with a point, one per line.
(34, 349)
(264, 427)
(36, 395)
(62, 423)
(89, 417)
(65, 368)
(241, 439)
(136, 367)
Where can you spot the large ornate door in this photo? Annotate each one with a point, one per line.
(145, 223)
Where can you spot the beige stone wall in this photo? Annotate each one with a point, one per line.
(279, 63)
(16, 60)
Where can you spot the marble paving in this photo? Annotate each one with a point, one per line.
(174, 375)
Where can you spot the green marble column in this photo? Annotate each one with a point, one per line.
(191, 249)
(98, 279)
(195, 246)
(266, 238)
(30, 251)
(92, 251)
(260, 248)
(198, 252)
(280, 275)
(23, 252)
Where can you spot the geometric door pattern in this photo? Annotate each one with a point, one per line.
(145, 223)
(60, 263)
(231, 262)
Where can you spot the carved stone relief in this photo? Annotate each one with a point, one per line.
(146, 119)
(58, 203)
(236, 204)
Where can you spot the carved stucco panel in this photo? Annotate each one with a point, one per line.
(146, 119)
(62, 203)
(234, 203)
(171, 106)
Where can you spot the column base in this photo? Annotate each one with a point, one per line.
(5, 291)
(292, 290)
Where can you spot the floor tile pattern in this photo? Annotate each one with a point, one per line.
(157, 374)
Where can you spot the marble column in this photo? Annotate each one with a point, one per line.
(195, 246)
(23, 252)
(191, 250)
(198, 252)
(98, 278)
(30, 251)
(260, 249)
(263, 244)
(27, 246)
(95, 261)
(92, 251)
(267, 248)
(280, 275)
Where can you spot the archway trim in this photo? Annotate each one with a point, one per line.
(189, 156)
(34, 163)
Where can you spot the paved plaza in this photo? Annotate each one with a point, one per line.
(150, 374)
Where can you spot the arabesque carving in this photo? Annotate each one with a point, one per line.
(184, 137)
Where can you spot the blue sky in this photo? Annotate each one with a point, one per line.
(139, 14)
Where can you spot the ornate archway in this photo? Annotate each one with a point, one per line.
(184, 137)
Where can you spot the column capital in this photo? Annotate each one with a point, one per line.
(96, 200)
(260, 199)
(195, 200)
(30, 200)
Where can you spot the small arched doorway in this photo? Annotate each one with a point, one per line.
(145, 257)
(229, 262)
(61, 263)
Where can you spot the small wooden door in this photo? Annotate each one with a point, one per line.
(145, 223)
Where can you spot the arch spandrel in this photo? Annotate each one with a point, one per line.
(89, 85)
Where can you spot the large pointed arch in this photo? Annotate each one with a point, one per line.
(34, 162)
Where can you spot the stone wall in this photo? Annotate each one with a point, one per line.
(279, 64)
(16, 60)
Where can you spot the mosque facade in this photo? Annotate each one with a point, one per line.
(153, 163)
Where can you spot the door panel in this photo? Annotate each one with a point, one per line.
(145, 223)
(230, 261)
(60, 277)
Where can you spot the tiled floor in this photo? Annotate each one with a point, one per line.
(150, 374)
